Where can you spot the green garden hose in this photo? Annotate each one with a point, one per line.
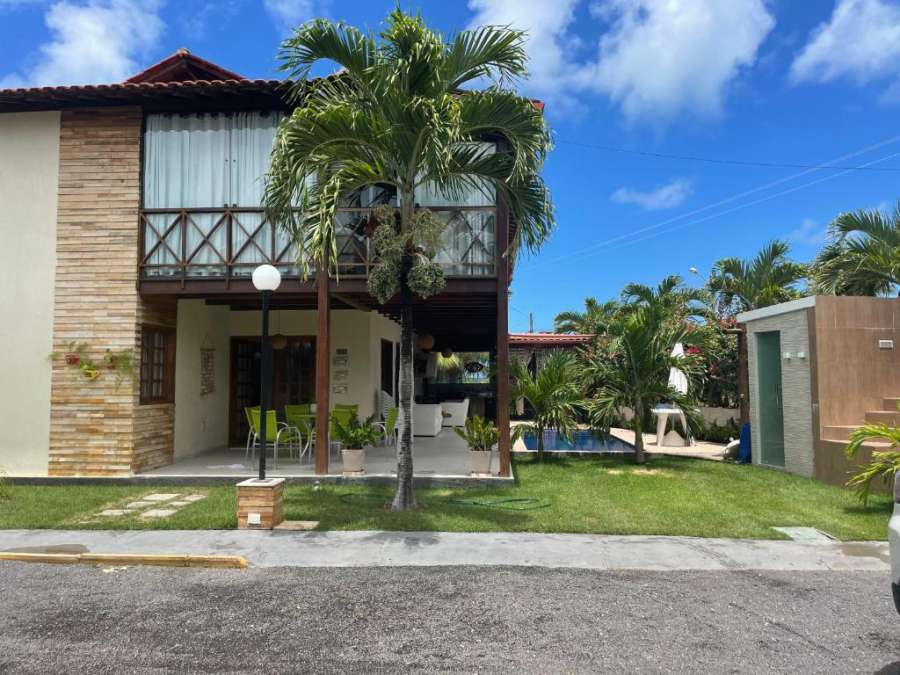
(506, 504)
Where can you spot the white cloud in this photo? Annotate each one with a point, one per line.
(664, 197)
(655, 58)
(549, 46)
(860, 41)
(810, 233)
(92, 42)
(289, 14)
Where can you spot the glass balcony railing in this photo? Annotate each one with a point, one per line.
(223, 243)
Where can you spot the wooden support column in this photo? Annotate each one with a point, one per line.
(503, 444)
(323, 371)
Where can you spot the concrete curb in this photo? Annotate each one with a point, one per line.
(209, 561)
(283, 548)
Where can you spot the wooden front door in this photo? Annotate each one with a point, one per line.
(293, 378)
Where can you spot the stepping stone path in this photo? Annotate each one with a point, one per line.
(164, 504)
(158, 513)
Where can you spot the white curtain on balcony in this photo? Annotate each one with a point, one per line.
(468, 240)
(207, 161)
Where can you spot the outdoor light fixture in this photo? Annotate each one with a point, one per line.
(446, 352)
(265, 279)
(279, 340)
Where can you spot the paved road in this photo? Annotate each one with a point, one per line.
(451, 619)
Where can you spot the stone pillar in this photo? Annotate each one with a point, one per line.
(260, 503)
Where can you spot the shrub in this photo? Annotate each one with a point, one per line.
(479, 434)
(716, 433)
(356, 434)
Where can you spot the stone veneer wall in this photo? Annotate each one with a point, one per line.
(97, 428)
(795, 385)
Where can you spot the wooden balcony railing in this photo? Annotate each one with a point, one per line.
(230, 242)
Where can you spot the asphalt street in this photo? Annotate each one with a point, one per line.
(443, 619)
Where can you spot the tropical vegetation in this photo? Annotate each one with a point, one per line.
(553, 394)
(594, 320)
(884, 464)
(633, 371)
(767, 279)
(862, 257)
(405, 111)
(479, 434)
(355, 434)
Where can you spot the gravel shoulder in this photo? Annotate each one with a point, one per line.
(457, 619)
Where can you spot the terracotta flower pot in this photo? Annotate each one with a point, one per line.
(354, 460)
(480, 461)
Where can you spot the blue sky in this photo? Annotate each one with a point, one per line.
(793, 82)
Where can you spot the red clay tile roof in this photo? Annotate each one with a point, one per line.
(182, 66)
(261, 93)
(549, 339)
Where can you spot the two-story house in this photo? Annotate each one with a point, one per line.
(130, 223)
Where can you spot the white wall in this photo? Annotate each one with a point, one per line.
(358, 332)
(29, 176)
(201, 421)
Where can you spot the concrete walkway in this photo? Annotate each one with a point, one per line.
(425, 549)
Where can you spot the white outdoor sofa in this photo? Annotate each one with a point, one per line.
(456, 412)
(427, 419)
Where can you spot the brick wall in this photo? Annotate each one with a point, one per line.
(795, 384)
(98, 428)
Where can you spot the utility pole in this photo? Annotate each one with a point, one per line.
(530, 322)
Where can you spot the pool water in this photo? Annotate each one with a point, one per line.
(582, 440)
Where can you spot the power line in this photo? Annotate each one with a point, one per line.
(631, 241)
(721, 202)
(733, 162)
(757, 201)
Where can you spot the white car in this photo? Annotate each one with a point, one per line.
(894, 538)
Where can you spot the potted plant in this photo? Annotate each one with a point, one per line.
(354, 436)
(481, 436)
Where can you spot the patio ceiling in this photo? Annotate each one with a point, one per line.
(463, 317)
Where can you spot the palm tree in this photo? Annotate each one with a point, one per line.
(634, 372)
(396, 117)
(863, 256)
(884, 464)
(594, 320)
(553, 394)
(767, 279)
(741, 285)
(671, 297)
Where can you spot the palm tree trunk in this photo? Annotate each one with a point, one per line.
(540, 443)
(639, 456)
(405, 497)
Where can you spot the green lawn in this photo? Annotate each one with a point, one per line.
(606, 495)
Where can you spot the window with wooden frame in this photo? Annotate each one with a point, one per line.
(157, 365)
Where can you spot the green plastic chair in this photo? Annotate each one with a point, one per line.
(277, 434)
(301, 418)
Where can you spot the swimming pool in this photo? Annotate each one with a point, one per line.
(582, 440)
